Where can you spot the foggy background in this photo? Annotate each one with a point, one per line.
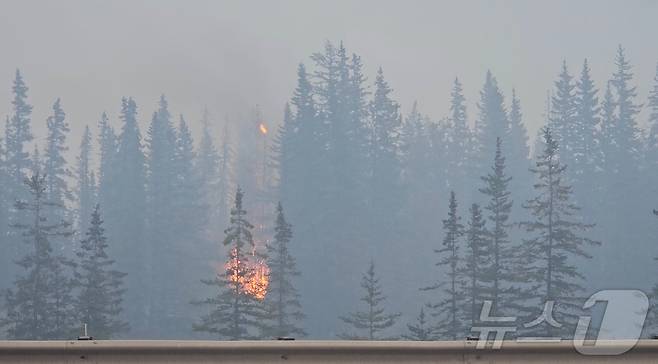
(369, 188)
(232, 55)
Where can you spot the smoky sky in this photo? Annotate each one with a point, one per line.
(233, 55)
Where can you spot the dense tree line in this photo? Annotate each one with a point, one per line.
(359, 179)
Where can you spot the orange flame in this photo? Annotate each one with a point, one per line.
(262, 128)
(254, 281)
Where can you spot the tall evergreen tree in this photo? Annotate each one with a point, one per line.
(207, 168)
(370, 323)
(282, 146)
(107, 150)
(188, 245)
(56, 168)
(301, 141)
(477, 264)
(502, 272)
(385, 185)
(608, 121)
(622, 147)
(100, 296)
(448, 310)
(283, 307)
(161, 143)
(125, 215)
(162, 217)
(225, 174)
(518, 132)
(39, 307)
(563, 115)
(555, 245)
(587, 149)
(304, 189)
(86, 186)
(234, 312)
(492, 122)
(459, 148)
(18, 134)
(518, 154)
(421, 178)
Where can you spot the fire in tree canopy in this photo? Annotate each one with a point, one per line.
(236, 311)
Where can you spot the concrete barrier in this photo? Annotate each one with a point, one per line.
(102, 352)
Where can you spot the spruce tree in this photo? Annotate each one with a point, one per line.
(421, 330)
(622, 146)
(36, 164)
(107, 150)
(161, 218)
(86, 186)
(477, 265)
(301, 144)
(518, 143)
(188, 245)
(55, 166)
(459, 148)
(420, 177)
(587, 150)
(623, 172)
(234, 312)
(100, 287)
(608, 121)
(563, 115)
(554, 245)
(518, 154)
(40, 305)
(501, 271)
(448, 310)
(386, 191)
(18, 134)
(374, 320)
(225, 174)
(492, 121)
(625, 132)
(125, 215)
(282, 302)
(161, 146)
(207, 168)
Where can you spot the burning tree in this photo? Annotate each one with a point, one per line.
(236, 309)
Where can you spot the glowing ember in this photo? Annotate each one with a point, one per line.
(253, 277)
(262, 128)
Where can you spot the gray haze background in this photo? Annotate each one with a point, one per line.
(231, 55)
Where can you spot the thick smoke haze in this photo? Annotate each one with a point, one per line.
(396, 155)
(232, 55)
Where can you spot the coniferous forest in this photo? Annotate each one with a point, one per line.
(346, 218)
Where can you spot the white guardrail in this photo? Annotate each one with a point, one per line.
(101, 352)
